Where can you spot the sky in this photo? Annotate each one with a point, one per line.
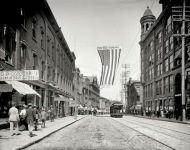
(88, 24)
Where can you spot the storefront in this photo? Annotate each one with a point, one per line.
(17, 92)
(61, 103)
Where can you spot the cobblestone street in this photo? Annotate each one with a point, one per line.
(118, 133)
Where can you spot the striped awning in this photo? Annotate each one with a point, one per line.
(22, 88)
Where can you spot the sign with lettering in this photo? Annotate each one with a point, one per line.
(19, 75)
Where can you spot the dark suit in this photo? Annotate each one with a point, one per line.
(30, 116)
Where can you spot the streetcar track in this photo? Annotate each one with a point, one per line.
(159, 127)
(120, 134)
(152, 129)
(147, 136)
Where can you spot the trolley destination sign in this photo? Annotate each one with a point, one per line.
(19, 75)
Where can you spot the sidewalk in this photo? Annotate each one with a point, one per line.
(8, 142)
(163, 119)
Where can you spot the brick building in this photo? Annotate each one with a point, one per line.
(31, 39)
(161, 60)
(133, 96)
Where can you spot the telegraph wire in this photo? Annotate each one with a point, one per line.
(131, 46)
(105, 11)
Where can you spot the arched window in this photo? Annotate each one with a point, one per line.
(147, 26)
(142, 28)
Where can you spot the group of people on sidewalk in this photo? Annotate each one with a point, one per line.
(168, 114)
(28, 118)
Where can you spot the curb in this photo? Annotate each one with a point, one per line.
(188, 123)
(4, 125)
(36, 141)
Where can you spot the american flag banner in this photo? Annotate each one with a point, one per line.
(109, 56)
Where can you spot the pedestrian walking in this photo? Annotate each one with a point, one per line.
(13, 119)
(23, 122)
(177, 114)
(30, 117)
(51, 113)
(158, 113)
(36, 109)
(43, 118)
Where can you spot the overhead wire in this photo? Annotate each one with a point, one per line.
(131, 46)
(105, 11)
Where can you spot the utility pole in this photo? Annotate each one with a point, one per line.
(75, 83)
(125, 75)
(179, 15)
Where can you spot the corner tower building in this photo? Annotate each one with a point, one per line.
(161, 57)
(147, 22)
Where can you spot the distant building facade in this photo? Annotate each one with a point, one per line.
(91, 91)
(133, 96)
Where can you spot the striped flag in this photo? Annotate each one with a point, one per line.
(109, 56)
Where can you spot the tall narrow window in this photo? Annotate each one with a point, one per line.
(23, 55)
(42, 37)
(49, 73)
(166, 85)
(160, 37)
(166, 65)
(157, 88)
(152, 58)
(43, 70)
(34, 61)
(22, 16)
(53, 75)
(166, 47)
(153, 73)
(171, 43)
(171, 61)
(58, 55)
(34, 27)
(57, 78)
(171, 84)
(160, 86)
(168, 25)
(161, 69)
(53, 55)
(48, 45)
(158, 70)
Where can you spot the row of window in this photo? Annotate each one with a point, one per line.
(166, 88)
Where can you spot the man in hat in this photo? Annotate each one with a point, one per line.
(30, 117)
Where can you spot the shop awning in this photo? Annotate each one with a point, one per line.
(6, 88)
(22, 88)
(137, 107)
(62, 98)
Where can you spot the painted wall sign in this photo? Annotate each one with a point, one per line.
(19, 75)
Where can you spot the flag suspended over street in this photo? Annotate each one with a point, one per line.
(109, 56)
